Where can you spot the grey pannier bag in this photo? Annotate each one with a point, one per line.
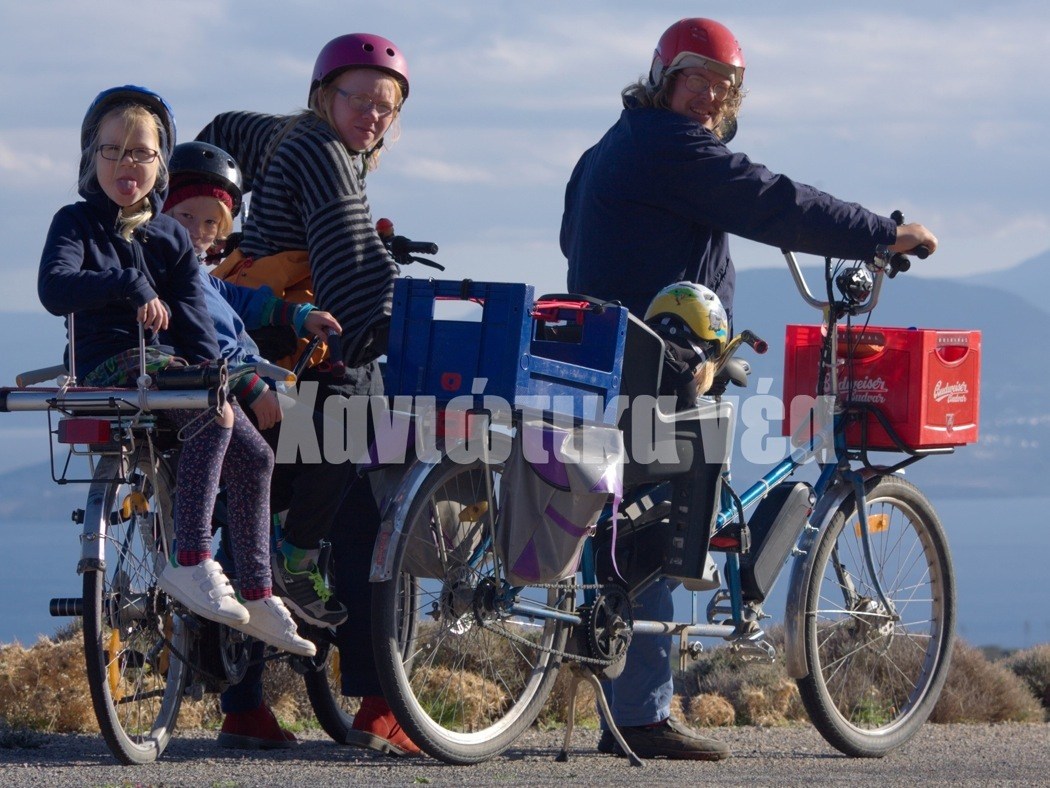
(556, 482)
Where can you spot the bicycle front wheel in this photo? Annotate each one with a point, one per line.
(472, 670)
(875, 674)
(133, 645)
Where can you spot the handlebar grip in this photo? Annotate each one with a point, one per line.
(400, 245)
(921, 251)
(335, 354)
(756, 342)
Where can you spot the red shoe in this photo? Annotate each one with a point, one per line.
(255, 730)
(376, 729)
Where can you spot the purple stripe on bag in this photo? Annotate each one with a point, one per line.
(565, 524)
(527, 566)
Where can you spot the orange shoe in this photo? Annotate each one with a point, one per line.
(376, 729)
(254, 730)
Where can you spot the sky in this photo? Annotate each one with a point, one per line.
(940, 108)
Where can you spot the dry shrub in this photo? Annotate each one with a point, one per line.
(710, 711)
(556, 709)
(759, 692)
(1032, 666)
(467, 698)
(981, 691)
(45, 687)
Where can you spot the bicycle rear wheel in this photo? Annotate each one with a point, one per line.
(875, 676)
(136, 679)
(470, 674)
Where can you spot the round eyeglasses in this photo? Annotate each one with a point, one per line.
(697, 84)
(118, 152)
(362, 102)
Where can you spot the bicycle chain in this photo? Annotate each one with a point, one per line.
(556, 652)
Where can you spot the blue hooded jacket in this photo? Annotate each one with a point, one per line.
(87, 269)
(653, 201)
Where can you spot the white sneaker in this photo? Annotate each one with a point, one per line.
(205, 590)
(270, 622)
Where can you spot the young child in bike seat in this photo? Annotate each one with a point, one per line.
(205, 195)
(692, 322)
(116, 263)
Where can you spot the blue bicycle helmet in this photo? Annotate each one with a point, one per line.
(132, 94)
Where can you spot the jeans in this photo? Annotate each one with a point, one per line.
(641, 695)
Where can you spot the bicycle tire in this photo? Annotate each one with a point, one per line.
(462, 691)
(323, 682)
(873, 681)
(135, 679)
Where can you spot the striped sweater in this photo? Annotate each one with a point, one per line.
(309, 193)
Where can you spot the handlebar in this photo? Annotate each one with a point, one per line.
(404, 250)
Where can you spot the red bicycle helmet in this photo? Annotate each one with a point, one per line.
(360, 50)
(705, 43)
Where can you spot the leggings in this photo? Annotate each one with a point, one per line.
(242, 459)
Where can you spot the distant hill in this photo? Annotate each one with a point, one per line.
(1029, 279)
(1012, 457)
(1013, 454)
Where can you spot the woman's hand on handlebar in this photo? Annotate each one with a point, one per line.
(321, 324)
(267, 410)
(909, 236)
(153, 315)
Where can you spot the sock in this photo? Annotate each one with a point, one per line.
(192, 557)
(298, 559)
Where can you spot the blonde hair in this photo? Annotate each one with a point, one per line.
(321, 106)
(131, 217)
(644, 94)
(226, 225)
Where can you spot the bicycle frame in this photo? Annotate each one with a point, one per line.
(836, 482)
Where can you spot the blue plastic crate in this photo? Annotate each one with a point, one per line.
(570, 360)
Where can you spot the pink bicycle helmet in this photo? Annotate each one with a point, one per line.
(359, 50)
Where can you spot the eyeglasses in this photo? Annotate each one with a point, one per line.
(116, 153)
(697, 84)
(361, 102)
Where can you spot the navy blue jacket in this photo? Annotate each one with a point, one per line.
(652, 203)
(87, 269)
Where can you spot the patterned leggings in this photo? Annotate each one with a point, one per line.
(244, 462)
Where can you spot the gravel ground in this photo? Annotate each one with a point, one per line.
(955, 755)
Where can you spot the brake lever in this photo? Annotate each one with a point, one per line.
(424, 261)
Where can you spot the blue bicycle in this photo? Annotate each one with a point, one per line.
(870, 619)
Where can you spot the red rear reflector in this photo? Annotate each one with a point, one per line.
(84, 431)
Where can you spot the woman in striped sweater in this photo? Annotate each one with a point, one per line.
(306, 173)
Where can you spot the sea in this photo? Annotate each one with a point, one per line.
(1000, 549)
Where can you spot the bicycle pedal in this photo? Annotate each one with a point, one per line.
(754, 647)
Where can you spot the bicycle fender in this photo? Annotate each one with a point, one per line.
(93, 537)
(394, 518)
(802, 570)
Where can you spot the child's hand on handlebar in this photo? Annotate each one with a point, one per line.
(267, 410)
(912, 235)
(321, 324)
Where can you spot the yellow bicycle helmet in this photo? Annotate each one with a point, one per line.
(690, 309)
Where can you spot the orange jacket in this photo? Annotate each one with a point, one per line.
(287, 274)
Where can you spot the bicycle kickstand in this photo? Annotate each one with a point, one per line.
(579, 673)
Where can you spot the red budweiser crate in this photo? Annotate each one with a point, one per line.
(926, 382)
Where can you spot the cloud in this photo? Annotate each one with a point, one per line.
(934, 107)
(35, 158)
